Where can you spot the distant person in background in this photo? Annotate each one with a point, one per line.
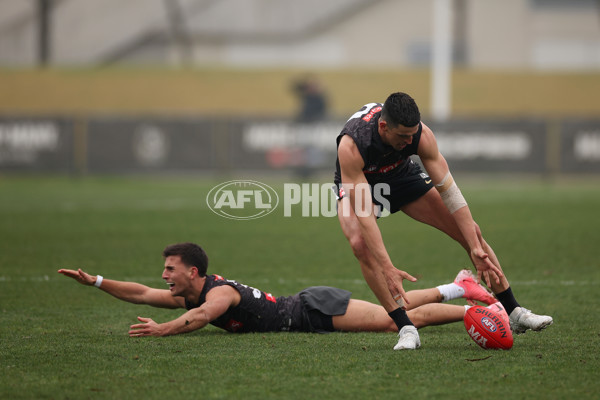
(307, 157)
(374, 170)
(313, 102)
(234, 307)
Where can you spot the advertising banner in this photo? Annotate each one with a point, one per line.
(117, 145)
(36, 144)
(580, 144)
(493, 146)
(113, 144)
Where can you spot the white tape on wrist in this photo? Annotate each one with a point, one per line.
(99, 280)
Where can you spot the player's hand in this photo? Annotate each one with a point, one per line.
(394, 278)
(485, 267)
(80, 276)
(147, 328)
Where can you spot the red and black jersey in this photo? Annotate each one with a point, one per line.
(382, 161)
(257, 311)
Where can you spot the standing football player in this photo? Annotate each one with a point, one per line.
(374, 170)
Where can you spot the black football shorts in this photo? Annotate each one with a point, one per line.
(321, 303)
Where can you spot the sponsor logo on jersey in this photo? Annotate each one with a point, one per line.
(369, 116)
(233, 325)
(386, 168)
(270, 297)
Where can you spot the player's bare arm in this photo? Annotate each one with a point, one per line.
(353, 181)
(218, 301)
(131, 292)
(438, 170)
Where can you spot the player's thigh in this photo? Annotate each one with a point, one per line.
(431, 210)
(363, 316)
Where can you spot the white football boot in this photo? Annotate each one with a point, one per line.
(522, 319)
(408, 338)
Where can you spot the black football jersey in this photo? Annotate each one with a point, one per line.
(257, 311)
(382, 161)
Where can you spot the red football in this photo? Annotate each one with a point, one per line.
(487, 328)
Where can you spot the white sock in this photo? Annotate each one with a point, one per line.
(450, 291)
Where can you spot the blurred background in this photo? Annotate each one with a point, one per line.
(238, 87)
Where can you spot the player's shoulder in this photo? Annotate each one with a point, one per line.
(427, 142)
(361, 125)
(348, 150)
(426, 129)
(426, 134)
(226, 291)
(221, 289)
(364, 116)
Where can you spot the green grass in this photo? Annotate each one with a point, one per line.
(61, 340)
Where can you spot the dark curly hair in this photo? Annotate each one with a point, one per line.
(191, 255)
(400, 109)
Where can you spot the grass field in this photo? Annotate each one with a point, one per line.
(61, 340)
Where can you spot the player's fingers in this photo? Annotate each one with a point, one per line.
(479, 275)
(400, 298)
(407, 276)
(488, 282)
(493, 269)
(82, 276)
(498, 273)
(405, 299)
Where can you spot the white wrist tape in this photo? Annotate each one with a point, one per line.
(99, 280)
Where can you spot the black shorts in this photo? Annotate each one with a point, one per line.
(399, 190)
(402, 190)
(320, 304)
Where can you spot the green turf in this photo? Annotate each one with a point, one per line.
(61, 340)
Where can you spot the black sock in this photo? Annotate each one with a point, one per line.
(400, 318)
(508, 300)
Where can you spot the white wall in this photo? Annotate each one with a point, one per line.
(516, 34)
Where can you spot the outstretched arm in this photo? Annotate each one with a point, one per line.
(438, 170)
(131, 292)
(361, 209)
(218, 301)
